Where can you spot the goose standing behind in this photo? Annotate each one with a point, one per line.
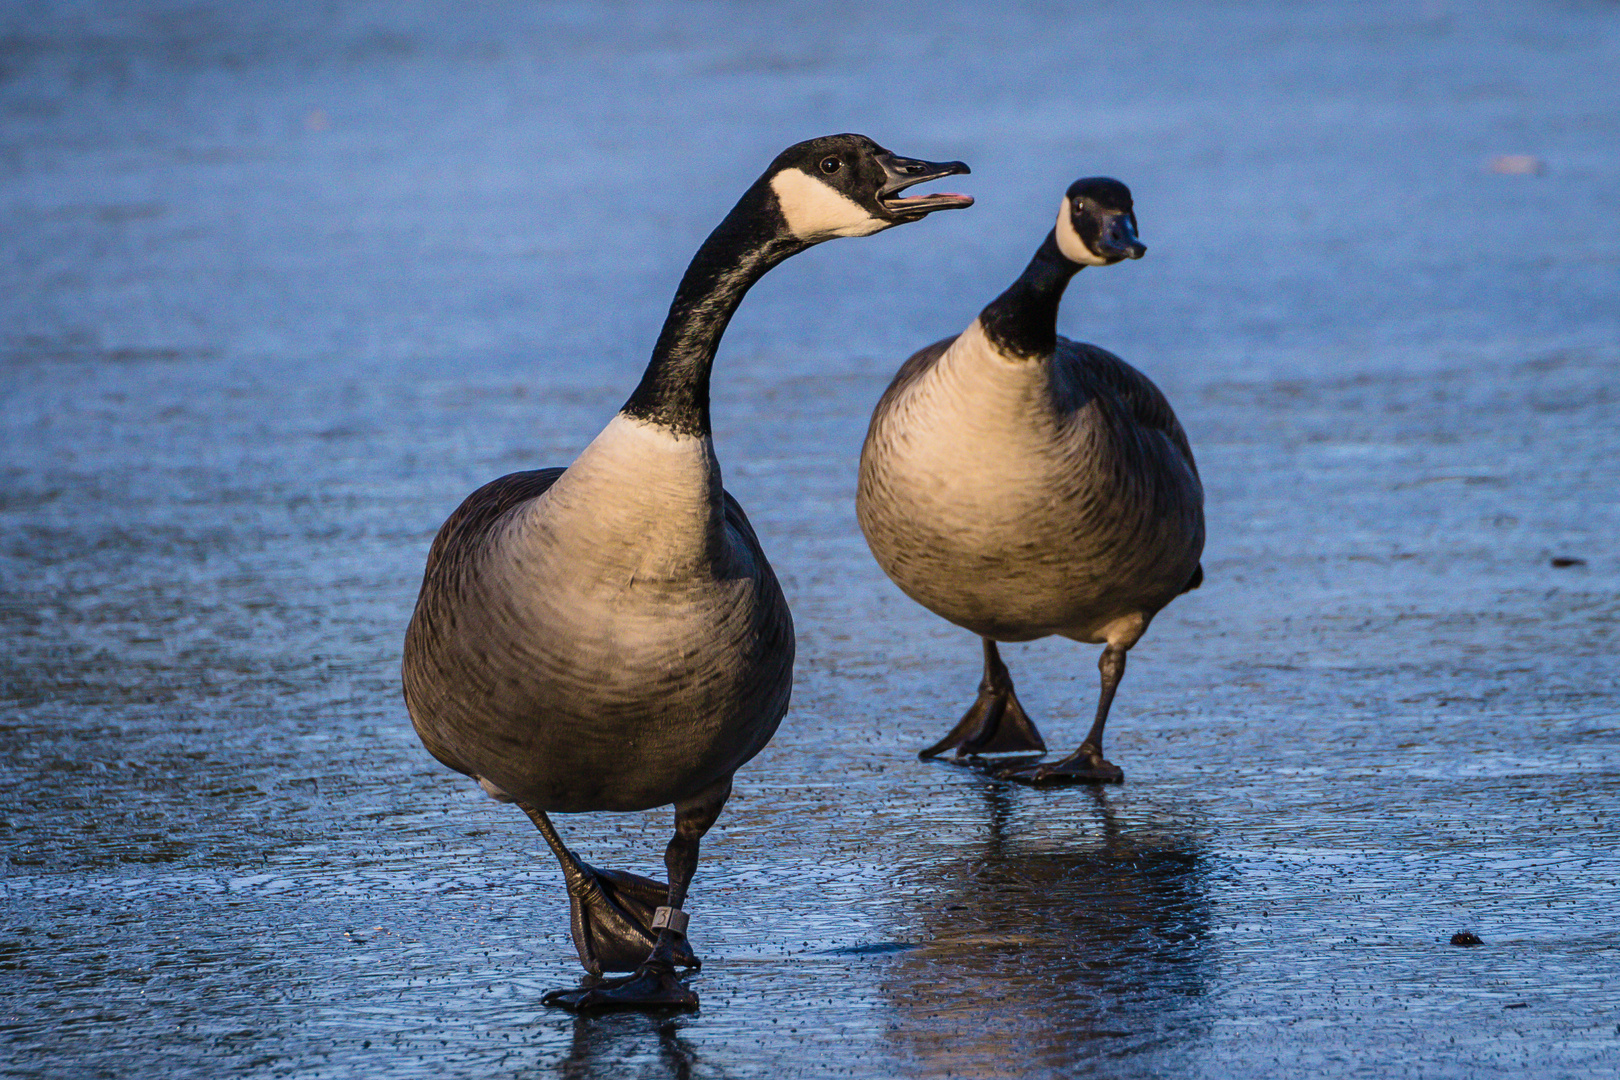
(1021, 485)
(610, 636)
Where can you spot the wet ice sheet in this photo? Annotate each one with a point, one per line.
(952, 925)
(281, 289)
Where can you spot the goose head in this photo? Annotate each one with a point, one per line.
(848, 185)
(1096, 225)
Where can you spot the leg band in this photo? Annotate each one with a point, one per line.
(673, 918)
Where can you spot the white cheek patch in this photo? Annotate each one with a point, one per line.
(1069, 242)
(816, 212)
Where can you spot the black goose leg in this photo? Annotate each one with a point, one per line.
(654, 985)
(1087, 764)
(995, 723)
(611, 912)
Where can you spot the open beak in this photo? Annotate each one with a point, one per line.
(903, 173)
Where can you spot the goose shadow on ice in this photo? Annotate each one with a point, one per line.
(1044, 949)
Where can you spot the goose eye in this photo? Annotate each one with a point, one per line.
(830, 165)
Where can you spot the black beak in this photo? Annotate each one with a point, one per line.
(1118, 239)
(901, 173)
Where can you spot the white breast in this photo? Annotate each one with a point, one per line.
(640, 500)
(972, 489)
(974, 427)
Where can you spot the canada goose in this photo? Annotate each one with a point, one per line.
(610, 636)
(1020, 485)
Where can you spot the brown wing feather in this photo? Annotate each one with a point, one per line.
(912, 370)
(479, 511)
(453, 552)
(1096, 368)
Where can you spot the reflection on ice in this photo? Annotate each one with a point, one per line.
(1033, 947)
(626, 1046)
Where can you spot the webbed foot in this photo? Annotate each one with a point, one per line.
(1085, 766)
(652, 986)
(994, 724)
(611, 913)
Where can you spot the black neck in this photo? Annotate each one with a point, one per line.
(674, 390)
(1022, 321)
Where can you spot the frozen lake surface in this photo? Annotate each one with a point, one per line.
(279, 288)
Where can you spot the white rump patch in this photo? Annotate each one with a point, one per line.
(494, 792)
(1069, 242)
(815, 211)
